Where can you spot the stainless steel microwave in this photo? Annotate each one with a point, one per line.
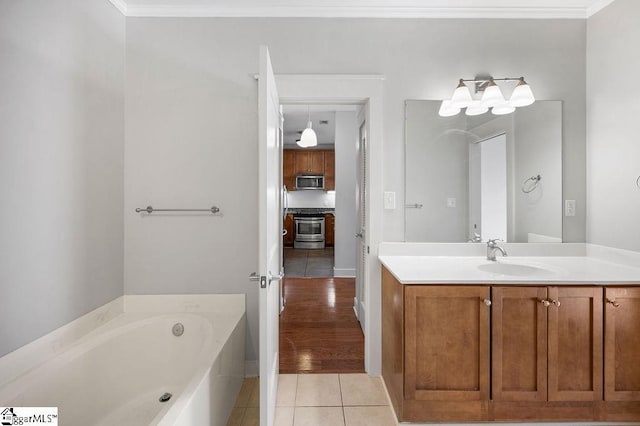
(310, 182)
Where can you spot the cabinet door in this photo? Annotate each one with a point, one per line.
(329, 170)
(288, 225)
(575, 344)
(519, 344)
(316, 162)
(302, 162)
(329, 230)
(289, 169)
(446, 343)
(622, 344)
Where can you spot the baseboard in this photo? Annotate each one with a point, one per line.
(344, 272)
(251, 368)
(355, 306)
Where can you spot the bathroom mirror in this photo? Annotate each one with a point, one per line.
(481, 177)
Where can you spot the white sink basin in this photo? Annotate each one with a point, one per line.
(516, 269)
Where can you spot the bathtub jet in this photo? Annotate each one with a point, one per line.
(177, 329)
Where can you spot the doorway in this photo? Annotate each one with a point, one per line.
(319, 328)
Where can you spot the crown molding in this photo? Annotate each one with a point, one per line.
(229, 11)
(597, 7)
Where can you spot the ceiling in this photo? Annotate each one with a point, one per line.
(296, 117)
(533, 9)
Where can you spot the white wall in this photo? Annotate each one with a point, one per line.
(191, 122)
(346, 216)
(61, 163)
(613, 64)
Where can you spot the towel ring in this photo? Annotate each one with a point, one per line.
(530, 187)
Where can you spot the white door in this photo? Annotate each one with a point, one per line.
(361, 207)
(270, 229)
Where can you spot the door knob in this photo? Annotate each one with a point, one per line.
(487, 302)
(545, 303)
(254, 276)
(556, 302)
(359, 235)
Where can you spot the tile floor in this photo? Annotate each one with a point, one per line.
(308, 263)
(318, 400)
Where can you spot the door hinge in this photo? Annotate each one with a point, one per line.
(368, 250)
(263, 281)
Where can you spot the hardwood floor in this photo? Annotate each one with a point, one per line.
(319, 332)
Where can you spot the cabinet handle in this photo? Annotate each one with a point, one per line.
(487, 302)
(613, 302)
(545, 303)
(556, 302)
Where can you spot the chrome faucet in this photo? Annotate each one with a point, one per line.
(492, 247)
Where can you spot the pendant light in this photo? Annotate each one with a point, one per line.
(308, 137)
(492, 95)
(461, 96)
(522, 95)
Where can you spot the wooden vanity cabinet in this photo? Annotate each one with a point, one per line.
(435, 359)
(546, 352)
(622, 344)
(560, 353)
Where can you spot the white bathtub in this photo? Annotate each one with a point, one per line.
(116, 373)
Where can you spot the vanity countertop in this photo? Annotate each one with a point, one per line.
(547, 270)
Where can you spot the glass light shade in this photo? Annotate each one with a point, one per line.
(447, 109)
(503, 109)
(476, 108)
(522, 95)
(461, 96)
(492, 95)
(308, 137)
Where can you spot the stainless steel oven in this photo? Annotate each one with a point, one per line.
(309, 232)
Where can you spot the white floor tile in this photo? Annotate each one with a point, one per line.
(360, 389)
(369, 416)
(318, 390)
(318, 416)
(284, 416)
(287, 386)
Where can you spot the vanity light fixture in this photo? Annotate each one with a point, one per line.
(492, 97)
(308, 137)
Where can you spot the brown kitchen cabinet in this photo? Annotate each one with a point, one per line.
(462, 353)
(330, 170)
(288, 169)
(308, 162)
(288, 238)
(329, 229)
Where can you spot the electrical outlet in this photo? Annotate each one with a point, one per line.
(389, 200)
(569, 207)
(451, 202)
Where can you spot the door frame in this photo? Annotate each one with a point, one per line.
(367, 90)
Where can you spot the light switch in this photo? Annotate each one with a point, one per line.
(569, 207)
(389, 200)
(451, 202)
